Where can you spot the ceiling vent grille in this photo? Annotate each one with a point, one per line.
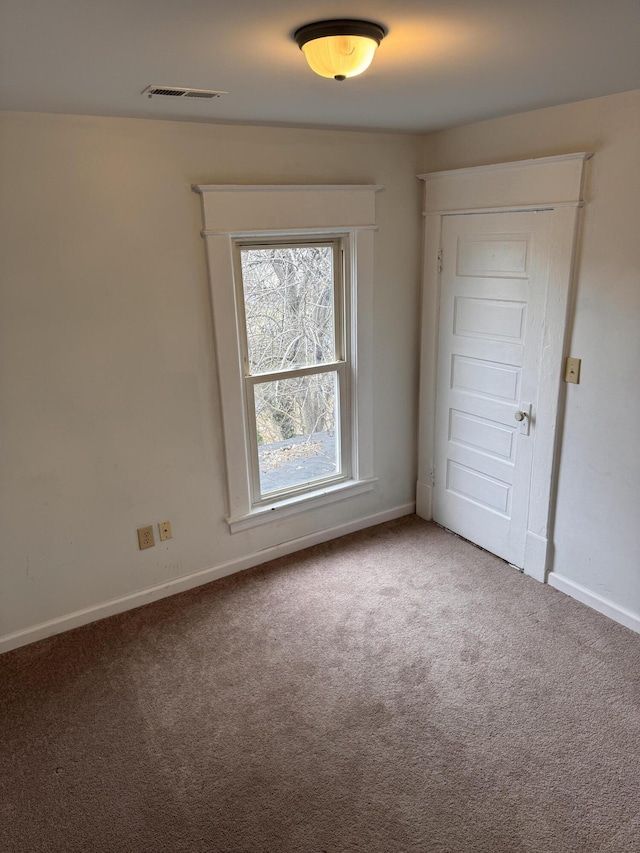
(181, 92)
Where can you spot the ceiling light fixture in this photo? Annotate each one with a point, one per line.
(340, 48)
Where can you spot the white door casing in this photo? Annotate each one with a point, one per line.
(517, 263)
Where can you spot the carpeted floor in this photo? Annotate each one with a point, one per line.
(395, 690)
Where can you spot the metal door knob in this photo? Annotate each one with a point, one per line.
(520, 416)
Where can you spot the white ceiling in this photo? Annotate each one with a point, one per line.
(444, 62)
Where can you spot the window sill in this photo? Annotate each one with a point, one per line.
(302, 503)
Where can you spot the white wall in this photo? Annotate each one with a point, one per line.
(597, 529)
(110, 412)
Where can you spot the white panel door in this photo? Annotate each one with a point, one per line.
(491, 335)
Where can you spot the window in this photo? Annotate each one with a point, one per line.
(295, 353)
(291, 275)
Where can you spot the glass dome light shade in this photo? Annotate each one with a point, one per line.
(340, 56)
(340, 48)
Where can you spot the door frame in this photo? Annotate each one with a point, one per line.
(555, 184)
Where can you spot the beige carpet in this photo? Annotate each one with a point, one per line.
(395, 690)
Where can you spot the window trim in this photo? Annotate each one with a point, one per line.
(310, 212)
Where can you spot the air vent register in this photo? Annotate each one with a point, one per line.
(182, 92)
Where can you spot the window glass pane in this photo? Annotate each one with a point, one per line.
(296, 426)
(289, 306)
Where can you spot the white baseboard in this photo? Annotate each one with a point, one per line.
(591, 599)
(154, 593)
(424, 500)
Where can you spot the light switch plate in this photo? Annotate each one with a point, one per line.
(572, 370)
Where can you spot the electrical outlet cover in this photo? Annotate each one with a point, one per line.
(145, 537)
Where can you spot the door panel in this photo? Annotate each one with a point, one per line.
(486, 378)
(502, 254)
(493, 288)
(481, 434)
(479, 317)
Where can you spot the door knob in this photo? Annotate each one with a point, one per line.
(523, 416)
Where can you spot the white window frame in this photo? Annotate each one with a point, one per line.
(340, 366)
(238, 215)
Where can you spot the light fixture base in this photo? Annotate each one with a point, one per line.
(339, 27)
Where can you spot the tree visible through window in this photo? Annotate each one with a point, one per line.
(294, 363)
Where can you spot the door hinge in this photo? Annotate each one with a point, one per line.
(440, 261)
(432, 477)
